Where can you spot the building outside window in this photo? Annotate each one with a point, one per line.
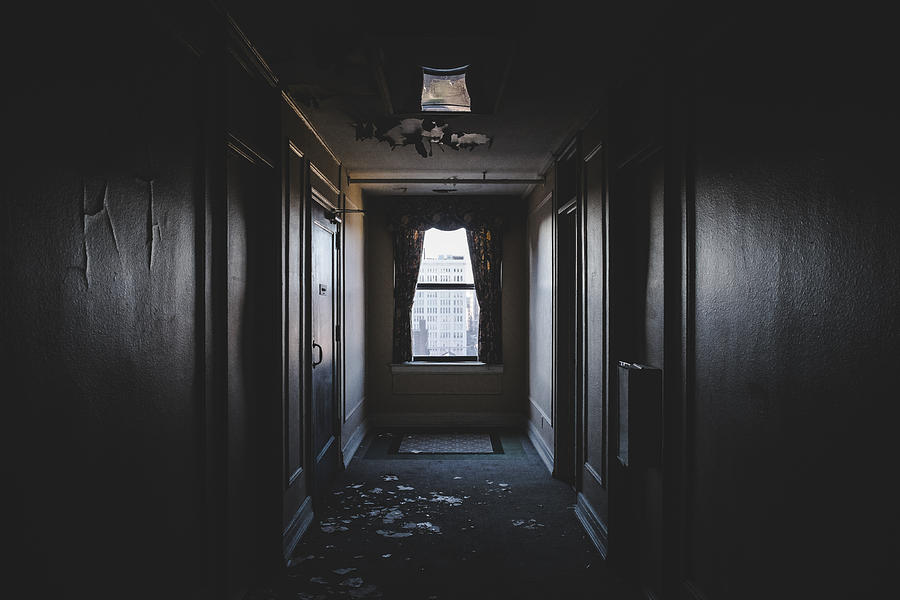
(445, 309)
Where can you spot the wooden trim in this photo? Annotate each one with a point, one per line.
(349, 413)
(356, 438)
(293, 148)
(293, 476)
(249, 50)
(320, 199)
(567, 207)
(640, 155)
(592, 524)
(593, 152)
(295, 530)
(243, 149)
(299, 112)
(325, 179)
(541, 204)
(593, 473)
(544, 451)
(541, 411)
(325, 449)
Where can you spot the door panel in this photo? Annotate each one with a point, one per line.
(295, 460)
(594, 463)
(323, 311)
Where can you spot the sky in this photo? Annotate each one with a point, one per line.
(445, 242)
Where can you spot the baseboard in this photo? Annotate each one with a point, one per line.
(446, 419)
(290, 537)
(352, 445)
(540, 445)
(592, 524)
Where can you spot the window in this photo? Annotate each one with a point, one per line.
(445, 310)
(444, 90)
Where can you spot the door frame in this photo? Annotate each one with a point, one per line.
(318, 198)
(567, 394)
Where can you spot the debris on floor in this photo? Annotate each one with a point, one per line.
(392, 534)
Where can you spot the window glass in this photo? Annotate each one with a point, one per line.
(445, 308)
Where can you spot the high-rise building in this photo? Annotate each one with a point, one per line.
(443, 320)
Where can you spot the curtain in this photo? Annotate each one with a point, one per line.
(409, 219)
(408, 244)
(486, 249)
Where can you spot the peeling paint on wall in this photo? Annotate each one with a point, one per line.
(153, 227)
(419, 132)
(95, 208)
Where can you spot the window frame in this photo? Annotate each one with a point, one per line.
(445, 286)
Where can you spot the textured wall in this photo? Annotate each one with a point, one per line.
(793, 414)
(99, 285)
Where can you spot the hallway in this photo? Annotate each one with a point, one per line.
(447, 526)
(675, 283)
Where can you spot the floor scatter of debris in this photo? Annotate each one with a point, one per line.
(427, 528)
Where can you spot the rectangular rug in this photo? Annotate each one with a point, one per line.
(445, 443)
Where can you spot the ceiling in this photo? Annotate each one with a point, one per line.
(356, 74)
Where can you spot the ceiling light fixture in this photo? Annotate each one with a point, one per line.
(444, 90)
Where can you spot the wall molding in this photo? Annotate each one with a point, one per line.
(593, 473)
(543, 413)
(592, 524)
(349, 413)
(446, 419)
(286, 96)
(543, 450)
(353, 443)
(250, 54)
(238, 146)
(318, 173)
(298, 526)
(540, 204)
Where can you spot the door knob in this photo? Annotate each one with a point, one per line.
(321, 354)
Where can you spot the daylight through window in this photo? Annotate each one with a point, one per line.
(445, 309)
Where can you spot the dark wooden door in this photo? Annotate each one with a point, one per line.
(296, 506)
(565, 309)
(323, 396)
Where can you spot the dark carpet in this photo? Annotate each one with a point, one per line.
(437, 526)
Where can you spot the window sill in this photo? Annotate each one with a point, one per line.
(448, 368)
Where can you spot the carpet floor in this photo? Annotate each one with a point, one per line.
(436, 527)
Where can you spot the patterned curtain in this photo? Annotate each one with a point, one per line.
(409, 219)
(408, 244)
(486, 248)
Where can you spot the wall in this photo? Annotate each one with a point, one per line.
(354, 334)
(101, 311)
(390, 408)
(791, 415)
(539, 237)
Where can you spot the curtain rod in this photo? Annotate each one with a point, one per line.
(447, 180)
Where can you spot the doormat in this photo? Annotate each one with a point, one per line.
(444, 444)
(447, 443)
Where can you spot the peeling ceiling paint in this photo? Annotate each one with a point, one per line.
(419, 132)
